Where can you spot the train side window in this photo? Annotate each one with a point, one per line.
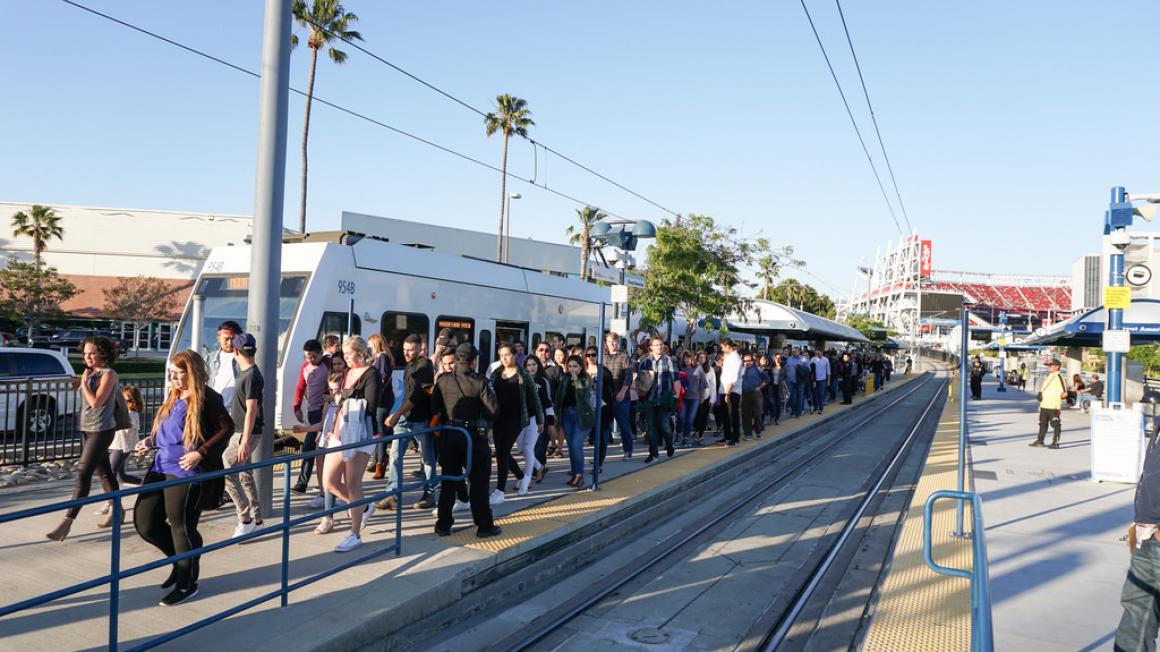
(555, 340)
(484, 350)
(462, 328)
(535, 340)
(334, 323)
(396, 326)
(574, 339)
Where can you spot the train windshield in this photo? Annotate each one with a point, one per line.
(225, 298)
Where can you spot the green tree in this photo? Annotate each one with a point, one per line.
(326, 21)
(141, 300)
(695, 270)
(41, 224)
(511, 116)
(1149, 356)
(769, 269)
(588, 217)
(31, 293)
(802, 296)
(864, 324)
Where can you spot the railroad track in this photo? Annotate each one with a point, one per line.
(776, 625)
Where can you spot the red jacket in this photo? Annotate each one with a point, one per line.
(300, 388)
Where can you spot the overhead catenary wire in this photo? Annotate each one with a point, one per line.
(481, 113)
(850, 113)
(337, 107)
(874, 119)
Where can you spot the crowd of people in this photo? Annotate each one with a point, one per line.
(533, 408)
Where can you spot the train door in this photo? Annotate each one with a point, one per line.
(509, 332)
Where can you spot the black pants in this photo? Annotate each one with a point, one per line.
(544, 439)
(751, 413)
(721, 415)
(452, 457)
(118, 459)
(775, 403)
(702, 419)
(848, 385)
(94, 459)
(505, 437)
(976, 388)
(734, 432)
(178, 505)
(1049, 417)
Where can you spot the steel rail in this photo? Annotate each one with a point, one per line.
(780, 632)
(648, 560)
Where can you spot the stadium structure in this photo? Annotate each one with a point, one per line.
(904, 291)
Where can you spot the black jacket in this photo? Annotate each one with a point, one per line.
(217, 427)
(462, 396)
(417, 382)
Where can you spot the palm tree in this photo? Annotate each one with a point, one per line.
(588, 216)
(767, 272)
(41, 224)
(326, 21)
(510, 117)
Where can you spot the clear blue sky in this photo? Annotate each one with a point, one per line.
(1006, 122)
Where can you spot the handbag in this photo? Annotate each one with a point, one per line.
(121, 420)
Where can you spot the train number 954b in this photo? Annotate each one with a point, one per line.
(346, 287)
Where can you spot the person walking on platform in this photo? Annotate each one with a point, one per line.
(659, 401)
(539, 448)
(413, 414)
(460, 398)
(344, 470)
(847, 369)
(311, 389)
(574, 402)
(977, 373)
(384, 365)
(708, 396)
(753, 380)
(731, 369)
(695, 386)
(246, 412)
(796, 380)
(821, 379)
(190, 432)
(519, 415)
(1050, 399)
(1140, 595)
(621, 368)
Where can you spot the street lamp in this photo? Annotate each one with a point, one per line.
(508, 226)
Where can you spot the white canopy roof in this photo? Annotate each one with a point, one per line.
(773, 317)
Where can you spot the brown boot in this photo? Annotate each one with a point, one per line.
(61, 530)
(386, 503)
(378, 472)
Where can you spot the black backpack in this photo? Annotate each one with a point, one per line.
(802, 373)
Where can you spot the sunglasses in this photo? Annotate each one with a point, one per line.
(590, 355)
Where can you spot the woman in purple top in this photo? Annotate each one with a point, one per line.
(190, 432)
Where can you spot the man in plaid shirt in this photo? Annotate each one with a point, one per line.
(661, 398)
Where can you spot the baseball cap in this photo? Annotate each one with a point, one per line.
(245, 342)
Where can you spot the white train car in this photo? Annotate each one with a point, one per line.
(330, 280)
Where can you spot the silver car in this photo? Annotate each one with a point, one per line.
(37, 388)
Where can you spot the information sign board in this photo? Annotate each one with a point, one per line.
(619, 326)
(1117, 297)
(620, 294)
(1118, 443)
(633, 280)
(1117, 341)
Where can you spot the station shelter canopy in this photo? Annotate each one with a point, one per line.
(1141, 319)
(771, 318)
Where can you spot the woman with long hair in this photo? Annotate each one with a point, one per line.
(574, 401)
(708, 394)
(556, 449)
(330, 415)
(695, 385)
(343, 472)
(98, 426)
(537, 470)
(190, 433)
(384, 363)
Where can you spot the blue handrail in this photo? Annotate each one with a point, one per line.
(982, 634)
(116, 574)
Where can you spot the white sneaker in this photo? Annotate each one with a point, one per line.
(325, 526)
(369, 513)
(524, 484)
(496, 497)
(351, 542)
(105, 509)
(317, 502)
(245, 528)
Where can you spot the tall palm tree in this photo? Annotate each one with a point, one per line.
(326, 21)
(767, 272)
(41, 224)
(588, 217)
(511, 116)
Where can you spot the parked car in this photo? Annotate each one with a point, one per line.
(10, 339)
(74, 338)
(36, 389)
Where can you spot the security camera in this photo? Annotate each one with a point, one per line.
(1120, 239)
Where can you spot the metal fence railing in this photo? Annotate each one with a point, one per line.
(982, 636)
(114, 577)
(39, 418)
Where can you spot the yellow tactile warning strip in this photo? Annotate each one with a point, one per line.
(919, 609)
(527, 524)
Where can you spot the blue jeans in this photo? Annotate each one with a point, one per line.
(575, 436)
(796, 396)
(688, 416)
(819, 394)
(1141, 600)
(426, 452)
(622, 417)
(658, 426)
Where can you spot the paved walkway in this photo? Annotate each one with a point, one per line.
(430, 574)
(1054, 537)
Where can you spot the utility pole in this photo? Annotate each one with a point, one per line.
(266, 247)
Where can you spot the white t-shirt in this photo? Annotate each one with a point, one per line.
(731, 372)
(224, 382)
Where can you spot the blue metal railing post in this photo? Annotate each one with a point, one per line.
(115, 573)
(286, 536)
(398, 493)
(964, 358)
(1116, 315)
(598, 427)
(982, 632)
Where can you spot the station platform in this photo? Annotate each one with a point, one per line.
(1055, 539)
(386, 603)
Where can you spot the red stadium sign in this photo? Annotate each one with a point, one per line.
(924, 258)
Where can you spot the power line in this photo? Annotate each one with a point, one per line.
(873, 119)
(481, 113)
(850, 113)
(337, 107)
